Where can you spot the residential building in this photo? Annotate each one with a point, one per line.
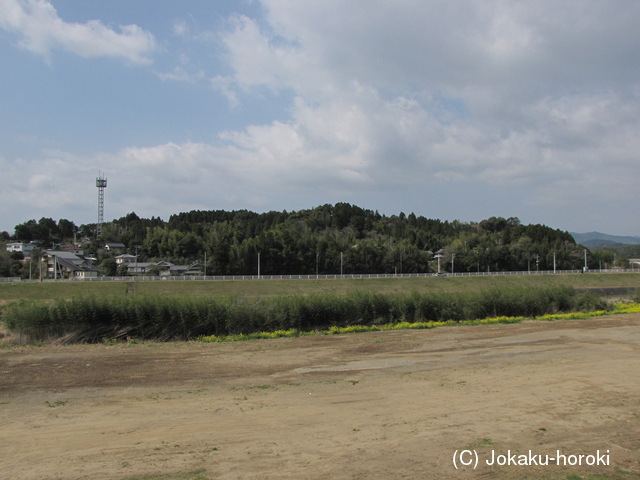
(72, 249)
(114, 246)
(61, 264)
(125, 259)
(163, 269)
(24, 248)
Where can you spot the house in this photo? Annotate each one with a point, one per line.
(193, 269)
(151, 268)
(72, 249)
(24, 248)
(163, 269)
(138, 268)
(125, 259)
(62, 264)
(114, 246)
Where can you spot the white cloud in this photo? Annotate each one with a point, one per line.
(539, 98)
(521, 100)
(180, 28)
(180, 74)
(226, 85)
(255, 59)
(33, 189)
(41, 30)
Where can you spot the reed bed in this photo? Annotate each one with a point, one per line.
(163, 318)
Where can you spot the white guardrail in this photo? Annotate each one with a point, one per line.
(311, 277)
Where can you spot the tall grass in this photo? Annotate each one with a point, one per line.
(91, 318)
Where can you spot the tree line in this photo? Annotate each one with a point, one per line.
(327, 239)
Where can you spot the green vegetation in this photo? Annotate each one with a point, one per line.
(50, 291)
(617, 309)
(328, 239)
(92, 318)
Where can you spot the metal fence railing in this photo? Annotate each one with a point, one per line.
(311, 276)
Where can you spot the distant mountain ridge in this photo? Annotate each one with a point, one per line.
(594, 239)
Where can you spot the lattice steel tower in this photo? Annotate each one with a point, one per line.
(101, 183)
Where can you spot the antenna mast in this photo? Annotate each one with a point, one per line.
(101, 183)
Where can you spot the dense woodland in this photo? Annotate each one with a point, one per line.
(324, 240)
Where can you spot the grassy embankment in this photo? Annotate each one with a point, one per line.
(190, 309)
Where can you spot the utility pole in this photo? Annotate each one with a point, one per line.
(585, 260)
(438, 256)
(137, 246)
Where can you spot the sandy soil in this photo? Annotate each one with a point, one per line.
(364, 406)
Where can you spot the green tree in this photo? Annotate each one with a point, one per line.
(109, 267)
(66, 229)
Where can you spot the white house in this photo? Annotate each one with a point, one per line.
(24, 248)
(125, 259)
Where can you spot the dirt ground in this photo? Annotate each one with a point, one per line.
(383, 405)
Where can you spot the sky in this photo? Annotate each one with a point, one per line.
(454, 110)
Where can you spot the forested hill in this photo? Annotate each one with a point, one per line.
(326, 238)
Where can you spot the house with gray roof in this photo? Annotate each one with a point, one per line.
(111, 246)
(163, 269)
(62, 264)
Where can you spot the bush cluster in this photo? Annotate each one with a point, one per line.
(90, 319)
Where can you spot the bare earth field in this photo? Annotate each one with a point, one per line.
(383, 405)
